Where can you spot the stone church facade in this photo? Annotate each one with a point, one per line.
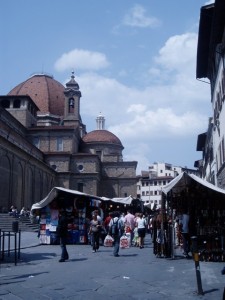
(44, 143)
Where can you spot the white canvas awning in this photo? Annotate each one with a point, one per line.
(192, 192)
(126, 200)
(56, 190)
(183, 180)
(54, 193)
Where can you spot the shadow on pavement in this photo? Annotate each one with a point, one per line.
(78, 259)
(14, 279)
(27, 257)
(210, 291)
(127, 255)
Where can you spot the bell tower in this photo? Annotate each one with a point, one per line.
(72, 103)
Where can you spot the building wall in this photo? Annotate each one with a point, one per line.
(24, 177)
(151, 183)
(218, 107)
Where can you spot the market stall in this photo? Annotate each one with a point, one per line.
(205, 204)
(79, 207)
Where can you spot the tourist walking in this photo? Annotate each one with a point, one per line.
(129, 223)
(94, 231)
(141, 225)
(116, 229)
(62, 231)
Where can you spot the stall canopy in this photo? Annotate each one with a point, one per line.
(126, 200)
(54, 193)
(184, 180)
(192, 190)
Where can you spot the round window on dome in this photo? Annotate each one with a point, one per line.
(80, 168)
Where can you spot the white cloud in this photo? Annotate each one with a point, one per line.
(136, 17)
(178, 52)
(82, 60)
(173, 111)
(159, 124)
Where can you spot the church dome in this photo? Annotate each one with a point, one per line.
(45, 91)
(102, 136)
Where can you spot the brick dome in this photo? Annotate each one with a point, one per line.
(102, 136)
(46, 92)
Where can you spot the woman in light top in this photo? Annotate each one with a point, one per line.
(141, 225)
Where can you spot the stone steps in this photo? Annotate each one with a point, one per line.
(24, 223)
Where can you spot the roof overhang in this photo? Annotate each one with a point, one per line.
(204, 33)
(211, 29)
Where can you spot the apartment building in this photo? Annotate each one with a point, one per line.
(151, 182)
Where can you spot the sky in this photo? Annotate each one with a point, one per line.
(135, 63)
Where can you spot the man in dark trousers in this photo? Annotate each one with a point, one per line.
(116, 220)
(62, 233)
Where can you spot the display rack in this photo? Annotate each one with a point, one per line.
(77, 228)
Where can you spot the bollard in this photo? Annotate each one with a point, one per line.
(15, 226)
(197, 266)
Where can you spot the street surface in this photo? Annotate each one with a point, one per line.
(136, 275)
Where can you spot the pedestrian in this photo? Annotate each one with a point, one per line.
(141, 225)
(107, 221)
(129, 223)
(116, 229)
(136, 238)
(62, 230)
(95, 212)
(184, 222)
(150, 226)
(94, 231)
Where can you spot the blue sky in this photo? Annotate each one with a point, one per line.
(134, 61)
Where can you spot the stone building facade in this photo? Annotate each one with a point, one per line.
(211, 67)
(44, 143)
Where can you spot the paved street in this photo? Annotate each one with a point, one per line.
(136, 274)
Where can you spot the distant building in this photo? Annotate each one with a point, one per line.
(151, 182)
(44, 143)
(210, 65)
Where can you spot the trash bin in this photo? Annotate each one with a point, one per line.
(15, 226)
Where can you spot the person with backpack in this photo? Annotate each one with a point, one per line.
(116, 228)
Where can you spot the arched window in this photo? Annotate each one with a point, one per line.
(71, 105)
